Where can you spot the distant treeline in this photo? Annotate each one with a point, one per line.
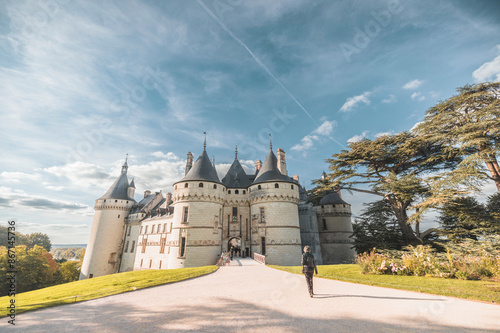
(67, 253)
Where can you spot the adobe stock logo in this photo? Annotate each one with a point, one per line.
(372, 29)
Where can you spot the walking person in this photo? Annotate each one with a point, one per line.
(309, 268)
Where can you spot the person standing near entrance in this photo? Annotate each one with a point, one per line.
(309, 268)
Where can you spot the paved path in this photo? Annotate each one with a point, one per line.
(249, 297)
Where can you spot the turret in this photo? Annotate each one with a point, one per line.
(102, 255)
(197, 200)
(131, 189)
(335, 229)
(274, 199)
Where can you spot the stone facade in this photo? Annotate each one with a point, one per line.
(265, 213)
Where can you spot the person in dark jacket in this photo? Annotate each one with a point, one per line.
(309, 268)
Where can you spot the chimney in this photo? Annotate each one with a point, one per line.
(189, 162)
(146, 193)
(282, 162)
(296, 177)
(168, 198)
(258, 165)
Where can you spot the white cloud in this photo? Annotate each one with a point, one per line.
(390, 99)
(323, 131)
(16, 177)
(358, 137)
(168, 156)
(352, 102)
(378, 135)
(82, 174)
(418, 96)
(12, 198)
(489, 71)
(413, 84)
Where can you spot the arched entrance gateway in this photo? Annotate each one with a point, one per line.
(235, 244)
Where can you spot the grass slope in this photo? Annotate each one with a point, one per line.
(475, 290)
(99, 287)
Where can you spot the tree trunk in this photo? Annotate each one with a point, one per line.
(492, 165)
(402, 218)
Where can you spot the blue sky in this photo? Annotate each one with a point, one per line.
(83, 83)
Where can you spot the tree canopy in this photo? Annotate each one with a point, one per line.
(470, 120)
(395, 167)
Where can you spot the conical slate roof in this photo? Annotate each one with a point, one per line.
(236, 176)
(269, 171)
(332, 198)
(119, 189)
(202, 170)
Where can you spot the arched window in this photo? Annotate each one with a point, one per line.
(259, 187)
(228, 191)
(186, 185)
(292, 187)
(200, 185)
(215, 186)
(244, 192)
(236, 192)
(276, 185)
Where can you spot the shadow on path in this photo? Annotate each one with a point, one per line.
(220, 315)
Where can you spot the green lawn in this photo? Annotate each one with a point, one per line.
(99, 287)
(475, 290)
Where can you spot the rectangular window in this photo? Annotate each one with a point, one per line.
(146, 230)
(185, 217)
(133, 247)
(262, 216)
(153, 229)
(129, 230)
(112, 258)
(162, 244)
(324, 224)
(182, 249)
(126, 247)
(150, 262)
(170, 227)
(160, 265)
(140, 230)
(141, 262)
(235, 214)
(263, 246)
(164, 228)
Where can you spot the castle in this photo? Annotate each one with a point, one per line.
(264, 213)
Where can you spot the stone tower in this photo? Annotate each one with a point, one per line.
(335, 229)
(196, 231)
(274, 200)
(103, 252)
(236, 220)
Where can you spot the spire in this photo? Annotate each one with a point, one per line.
(205, 142)
(269, 171)
(213, 161)
(236, 153)
(270, 142)
(125, 165)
